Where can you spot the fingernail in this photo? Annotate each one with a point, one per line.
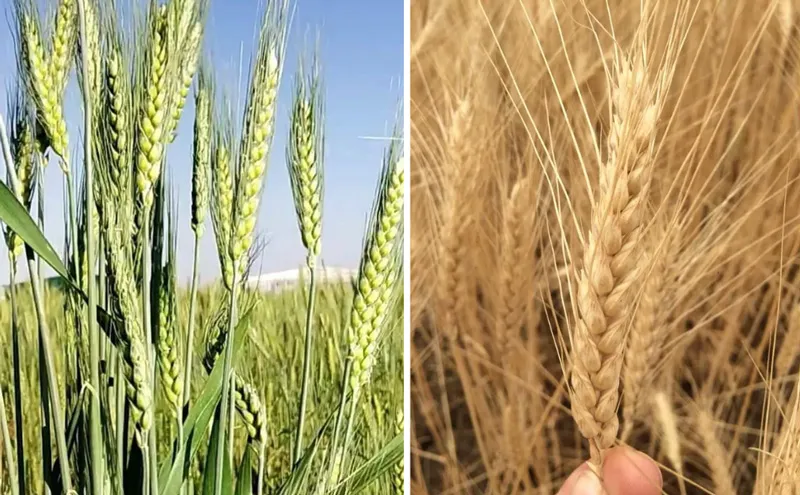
(587, 484)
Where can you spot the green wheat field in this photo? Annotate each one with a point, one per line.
(114, 376)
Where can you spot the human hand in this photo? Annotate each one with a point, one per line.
(625, 472)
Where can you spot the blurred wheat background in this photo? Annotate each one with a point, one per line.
(604, 242)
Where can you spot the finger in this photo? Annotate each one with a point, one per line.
(625, 472)
(582, 481)
(630, 472)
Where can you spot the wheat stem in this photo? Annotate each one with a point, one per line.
(187, 384)
(714, 451)
(95, 431)
(298, 440)
(6, 437)
(227, 378)
(147, 266)
(15, 336)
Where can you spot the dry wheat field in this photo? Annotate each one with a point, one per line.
(605, 243)
(114, 376)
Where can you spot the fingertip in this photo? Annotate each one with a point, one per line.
(629, 471)
(569, 484)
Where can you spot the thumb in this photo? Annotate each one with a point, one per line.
(625, 472)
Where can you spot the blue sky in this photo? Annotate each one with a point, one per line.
(361, 45)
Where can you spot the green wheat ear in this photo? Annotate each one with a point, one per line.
(379, 271)
(116, 207)
(186, 69)
(65, 37)
(120, 122)
(153, 113)
(222, 201)
(305, 156)
(245, 397)
(257, 132)
(397, 477)
(45, 73)
(23, 148)
(167, 345)
(201, 169)
(93, 71)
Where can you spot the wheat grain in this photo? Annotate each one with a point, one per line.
(712, 320)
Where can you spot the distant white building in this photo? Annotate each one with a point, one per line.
(287, 279)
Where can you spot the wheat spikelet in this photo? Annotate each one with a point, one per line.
(609, 261)
(153, 112)
(201, 169)
(377, 273)
(305, 156)
(714, 451)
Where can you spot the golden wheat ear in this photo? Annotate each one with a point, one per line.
(611, 265)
